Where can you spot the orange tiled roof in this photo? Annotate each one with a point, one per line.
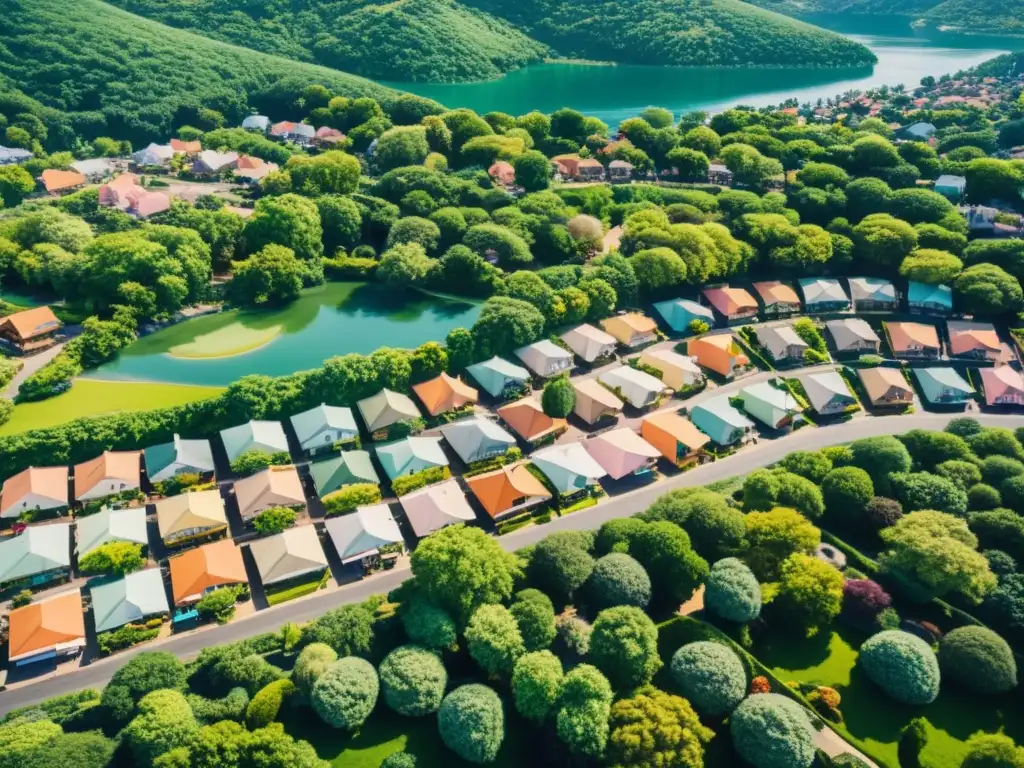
(775, 292)
(499, 490)
(528, 419)
(55, 180)
(48, 623)
(188, 147)
(124, 465)
(906, 335)
(444, 393)
(32, 322)
(48, 482)
(250, 162)
(211, 565)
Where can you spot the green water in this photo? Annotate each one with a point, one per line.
(613, 93)
(332, 319)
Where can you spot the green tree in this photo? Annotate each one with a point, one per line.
(165, 721)
(401, 146)
(15, 185)
(348, 630)
(658, 270)
(775, 535)
(113, 558)
(691, 163)
(702, 139)
(732, 592)
(494, 640)
(536, 680)
(624, 646)
(847, 491)
(404, 265)
(710, 675)
(923, 490)
(471, 721)
(772, 731)
(274, 520)
(561, 563)
(346, 693)
(879, 457)
(505, 324)
(583, 708)
(330, 173)
(498, 242)
(311, 663)
(266, 704)
(533, 171)
(992, 750)
(288, 220)
(618, 579)
(412, 680)
(656, 728)
(930, 266)
(535, 617)
(810, 591)
(989, 290)
(883, 240)
(559, 397)
(142, 674)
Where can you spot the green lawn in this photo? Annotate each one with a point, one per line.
(290, 593)
(875, 720)
(88, 397)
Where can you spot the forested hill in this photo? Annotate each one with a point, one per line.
(462, 40)
(116, 73)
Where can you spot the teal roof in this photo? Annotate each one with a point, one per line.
(345, 469)
(39, 549)
(179, 455)
(254, 435)
(411, 454)
(679, 313)
(768, 404)
(938, 383)
(313, 422)
(497, 373)
(132, 598)
(718, 419)
(922, 293)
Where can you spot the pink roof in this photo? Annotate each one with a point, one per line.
(621, 452)
(502, 172)
(329, 135)
(1001, 382)
(281, 128)
(730, 301)
(124, 193)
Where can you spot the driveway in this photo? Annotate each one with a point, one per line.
(34, 362)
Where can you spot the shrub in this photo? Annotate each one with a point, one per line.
(350, 497)
(847, 492)
(913, 740)
(882, 511)
(274, 520)
(996, 469)
(880, 457)
(494, 640)
(981, 497)
(992, 750)
(399, 760)
(346, 693)
(902, 665)
(624, 646)
(572, 636)
(427, 625)
(559, 565)
(584, 704)
(146, 672)
(999, 528)
(472, 723)
(535, 617)
(962, 472)
(732, 592)
(536, 680)
(163, 723)
(978, 659)
(218, 605)
(230, 707)
(846, 760)
(113, 558)
(864, 599)
(771, 731)
(809, 591)
(412, 680)
(655, 728)
(618, 579)
(310, 664)
(923, 490)
(710, 675)
(1000, 563)
(265, 705)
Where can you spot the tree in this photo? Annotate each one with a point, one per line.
(847, 492)
(560, 564)
(702, 139)
(401, 146)
(460, 569)
(715, 527)
(341, 221)
(656, 728)
(710, 675)
(775, 535)
(879, 457)
(930, 266)
(923, 490)
(901, 664)
(864, 600)
(311, 663)
(274, 520)
(989, 290)
(937, 237)
(404, 266)
(505, 324)
(559, 397)
(399, 760)
(983, 497)
(15, 185)
(765, 489)
(472, 723)
(978, 659)
(929, 448)
(20, 738)
(287, 220)
(113, 558)
(624, 645)
(271, 276)
(500, 243)
(997, 441)
(426, 624)
(348, 630)
(691, 163)
(536, 680)
(749, 166)
(90, 749)
(992, 750)
(601, 295)
(584, 705)
(884, 240)
(732, 592)
(346, 693)
(266, 704)
(618, 579)
(142, 674)
(412, 680)
(218, 605)
(772, 731)
(533, 171)
(1000, 528)
(664, 550)
(658, 269)
(810, 591)
(330, 173)
(494, 640)
(812, 465)
(990, 179)
(535, 617)
(164, 722)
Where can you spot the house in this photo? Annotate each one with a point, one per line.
(273, 487)
(155, 155)
(951, 187)
(589, 169)
(210, 163)
(639, 389)
(199, 571)
(259, 123)
(569, 468)
(977, 341)
(264, 436)
(943, 386)
(782, 342)
(109, 525)
(34, 489)
(566, 166)
(328, 137)
(679, 313)
(719, 353)
(134, 599)
(39, 555)
(828, 392)
(432, 508)
(444, 394)
(411, 455)
(385, 409)
(913, 341)
(95, 169)
(823, 294)
(177, 457)
(619, 171)
(777, 297)
(1003, 385)
(30, 330)
(886, 386)
(498, 377)
(252, 170)
(362, 533)
(13, 155)
(346, 468)
(528, 420)
(677, 371)
(502, 173)
(631, 329)
(872, 294)
(187, 148)
(590, 343)
(919, 131)
(111, 473)
(717, 418)
(56, 181)
(852, 334)
(293, 555)
(545, 358)
(622, 452)
(477, 439)
(594, 402)
(674, 436)
(772, 406)
(733, 304)
(53, 628)
(509, 489)
(323, 427)
(929, 299)
(125, 194)
(720, 175)
(190, 515)
(300, 133)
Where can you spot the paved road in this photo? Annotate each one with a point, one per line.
(753, 457)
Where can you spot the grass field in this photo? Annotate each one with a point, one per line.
(89, 397)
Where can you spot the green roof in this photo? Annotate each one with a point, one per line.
(254, 435)
(922, 293)
(345, 469)
(718, 419)
(497, 373)
(168, 459)
(410, 455)
(130, 599)
(943, 385)
(39, 549)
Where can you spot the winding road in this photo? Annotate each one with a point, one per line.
(305, 609)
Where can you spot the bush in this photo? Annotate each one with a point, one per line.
(810, 592)
(902, 665)
(572, 637)
(494, 640)
(350, 497)
(732, 592)
(310, 664)
(978, 659)
(536, 680)
(114, 558)
(471, 721)
(265, 705)
(346, 693)
(882, 511)
(847, 492)
(427, 625)
(584, 704)
(863, 600)
(230, 707)
(846, 760)
(771, 731)
(981, 497)
(412, 680)
(652, 727)
(146, 672)
(535, 617)
(409, 483)
(560, 564)
(274, 520)
(999, 528)
(992, 750)
(164, 722)
(399, 760)
(618, 579)
(218, 605)
(711, 676)
(624, 646)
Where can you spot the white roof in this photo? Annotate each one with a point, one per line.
(637, 386)
(849, 330)
(588, 342)
(111, 525)
(154, 154)
(778, 338)
(470, 437)
(872, 289)
(95, 165)
(821, 388)
(265, 436)
(360, 533)
(256, 121)
(216, 160)
(561, 464)
(294, 552)
(436, 506)
(537, 355)
(819, 289)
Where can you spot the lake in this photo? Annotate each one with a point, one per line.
(332, 319)
(613, 93)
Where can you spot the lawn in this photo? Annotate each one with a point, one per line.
(290, 593)
(875, 720)
(89, 397)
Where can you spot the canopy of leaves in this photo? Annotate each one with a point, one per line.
(902, 665)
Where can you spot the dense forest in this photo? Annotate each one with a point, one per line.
(113, 73)
(452, 41)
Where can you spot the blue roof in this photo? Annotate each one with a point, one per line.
(494, 374)
(922, 293)
(678, 313)
(718, 418)
(935, 381)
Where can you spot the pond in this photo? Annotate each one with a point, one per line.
(613, 93)
(332, 319)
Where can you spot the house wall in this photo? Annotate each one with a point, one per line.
(107, 487)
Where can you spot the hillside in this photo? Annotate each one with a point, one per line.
(110, 69)
(412, 40)
(465, 40)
